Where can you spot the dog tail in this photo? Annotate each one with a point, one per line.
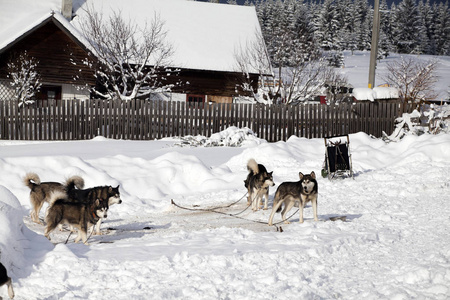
(55, 196)
(31, 180)
(252, 166)
(75, 182)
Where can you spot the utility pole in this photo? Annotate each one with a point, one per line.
(374, 45)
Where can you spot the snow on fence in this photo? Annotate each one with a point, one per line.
(147, 120)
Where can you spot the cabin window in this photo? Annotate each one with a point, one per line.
(49, 92)
(193, 99)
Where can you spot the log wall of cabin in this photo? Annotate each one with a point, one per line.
(211, 83)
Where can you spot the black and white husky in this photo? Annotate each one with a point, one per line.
(288, 193)
(4, 279)
(112, 194)
(257, 183)
(82, 210)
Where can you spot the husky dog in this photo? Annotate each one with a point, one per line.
(301, 192)
(4, 279)
(40, 191)
(108, 193)
(257, 183)
(81, 215)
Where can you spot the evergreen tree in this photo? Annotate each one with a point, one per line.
(303, 32)
(442, 29)
(327, 26)
(385, 41)
(345, 36)
(363, 21)
(405, 27)
(337, 25)
(423, 38)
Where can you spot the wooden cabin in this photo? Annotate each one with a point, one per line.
(205, 37)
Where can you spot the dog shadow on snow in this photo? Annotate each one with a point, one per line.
(336, 217)
(111, 232)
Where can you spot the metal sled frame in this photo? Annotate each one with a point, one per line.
(338, 160)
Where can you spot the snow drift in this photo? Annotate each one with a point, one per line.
(393, 245)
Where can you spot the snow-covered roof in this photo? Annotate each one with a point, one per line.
(17, 17)
(377, 93)
(205, 36)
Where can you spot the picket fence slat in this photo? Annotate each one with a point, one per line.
(147, 120)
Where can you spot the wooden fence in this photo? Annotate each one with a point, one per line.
(147, 120)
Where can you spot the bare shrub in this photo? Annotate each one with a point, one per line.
(414, 78)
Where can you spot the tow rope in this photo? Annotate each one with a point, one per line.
(235, 215)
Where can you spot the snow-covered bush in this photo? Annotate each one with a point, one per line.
(230, 137)
(431, 119)
(25, 78)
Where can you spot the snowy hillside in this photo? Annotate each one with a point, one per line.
(356, 70)
(394, 244)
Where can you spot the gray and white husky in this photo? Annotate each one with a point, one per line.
(40, 191)
(301, 192)
(257, 183)
(4, 279)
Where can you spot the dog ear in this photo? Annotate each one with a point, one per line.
(97, 202)
(313, 175)
(300, 174)
(270, 173)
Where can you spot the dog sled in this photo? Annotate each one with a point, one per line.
(338, 161)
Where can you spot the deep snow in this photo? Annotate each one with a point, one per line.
(394, 245)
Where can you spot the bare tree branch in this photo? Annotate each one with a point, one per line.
(414, 79)
(253, 58)
(131, 58)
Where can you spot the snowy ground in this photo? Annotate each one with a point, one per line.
(394, 244)
(357, 66)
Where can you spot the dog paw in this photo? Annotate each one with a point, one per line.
(287, 222)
